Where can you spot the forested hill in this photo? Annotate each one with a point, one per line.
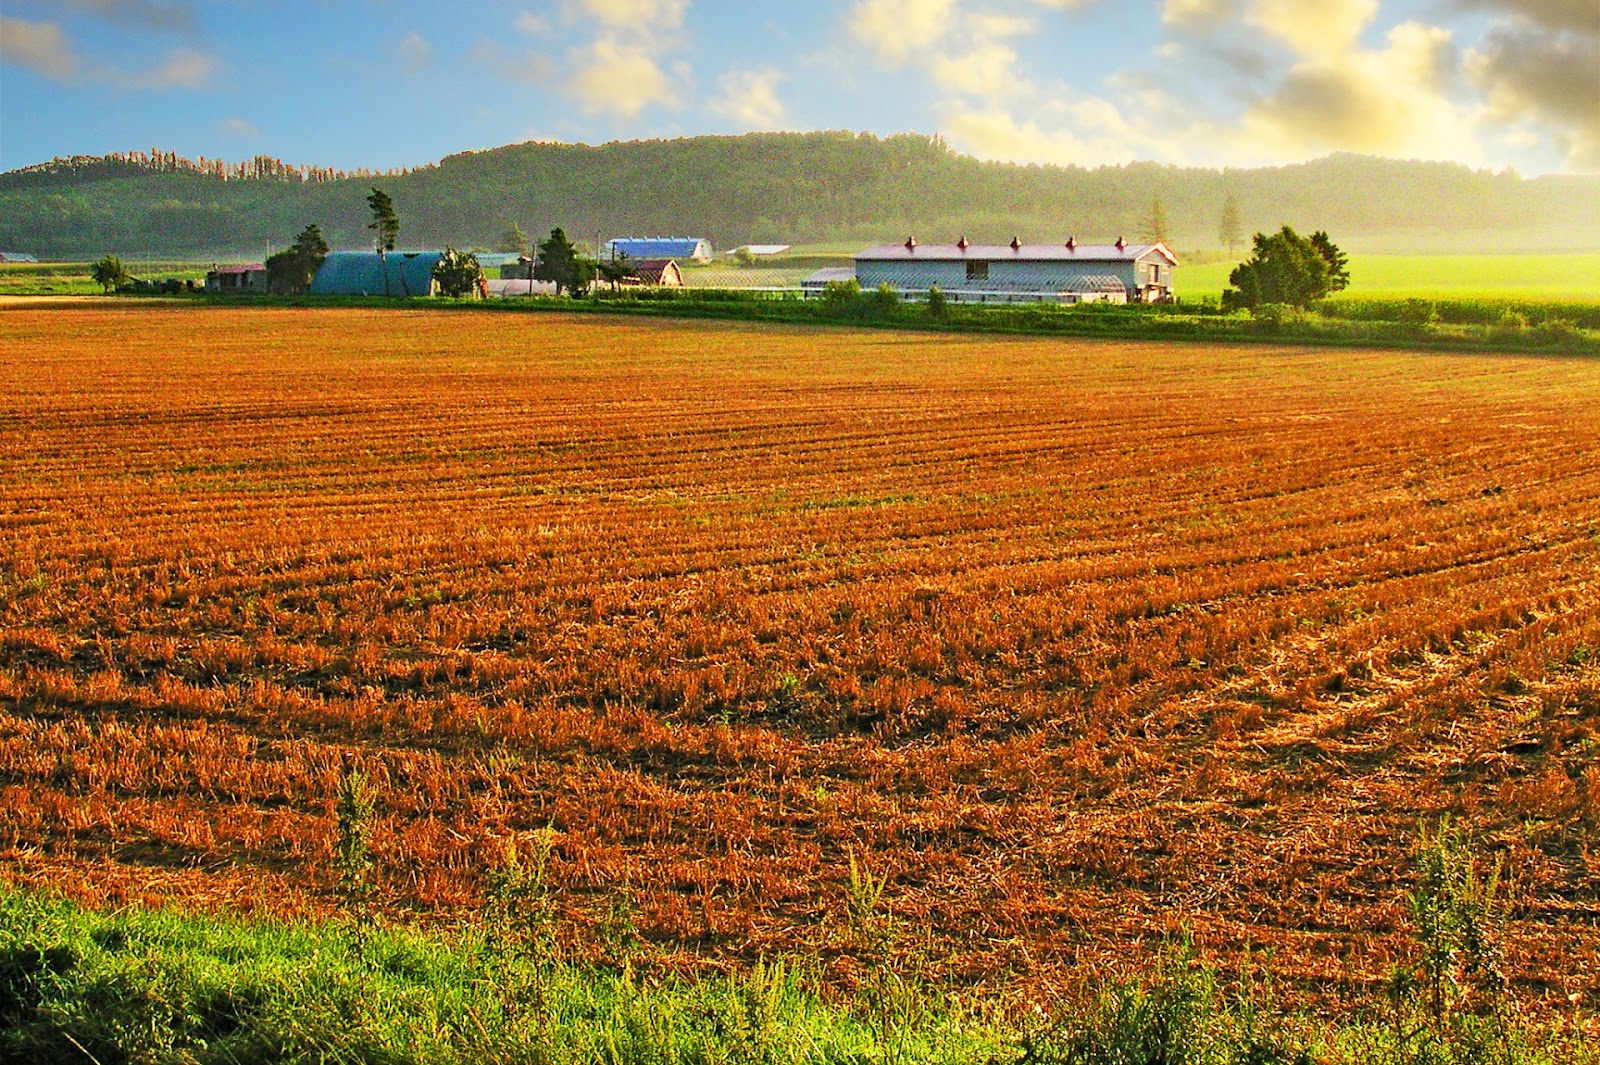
(774, 187)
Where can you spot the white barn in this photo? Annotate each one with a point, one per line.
(1006, 273)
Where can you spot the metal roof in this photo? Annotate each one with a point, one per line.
(1021, 253)
(252, 268)
(16, 257)
(829, 273)
(361, 273)
(659, 247)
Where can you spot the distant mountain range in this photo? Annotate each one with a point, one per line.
(801, 188)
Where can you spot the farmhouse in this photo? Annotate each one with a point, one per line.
(661, 272)
(250, 280)
(980, 273)
(695, 249)
(365, 273)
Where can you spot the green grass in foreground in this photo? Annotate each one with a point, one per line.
(163, 987)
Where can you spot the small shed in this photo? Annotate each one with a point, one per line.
(695, 249)
(366, 273)
(506, 287)
(17, 257)
(247, 280)
(662, 273)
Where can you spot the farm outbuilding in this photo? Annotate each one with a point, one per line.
(663, 273)
(696, 249)
(248, 280)
(17, 257)
(365, 273)
(1067, 273)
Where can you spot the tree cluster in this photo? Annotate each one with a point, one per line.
(290, 271)
(560, 263)
(459, 274)
(1287, 269)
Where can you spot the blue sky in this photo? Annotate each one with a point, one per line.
(387, 83)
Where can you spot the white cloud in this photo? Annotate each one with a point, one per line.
(39, 46)
(416, 54)
(238, 127)
(1327, 27)
(898, 29)
(750, 97)
(44, 48)
(1528, 75)
(618, 78)
(632, 16)
(531, 24)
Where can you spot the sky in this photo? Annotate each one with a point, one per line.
(396, 83)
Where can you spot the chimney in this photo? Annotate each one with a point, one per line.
(1072, 243)
(1016, 243)
(1122, 242)
(911, 244)
(962, 244)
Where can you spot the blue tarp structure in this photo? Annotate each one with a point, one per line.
(361, 273)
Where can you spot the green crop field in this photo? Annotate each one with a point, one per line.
(1564, 277)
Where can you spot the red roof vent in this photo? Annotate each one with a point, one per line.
(1072, 243)
(962, 244)
(1122, 242)
(911, 244)
(1016, 243)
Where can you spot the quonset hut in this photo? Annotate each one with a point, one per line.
(365, 273)
(1007, 273)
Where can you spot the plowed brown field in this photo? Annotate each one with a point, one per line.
(1077, 643)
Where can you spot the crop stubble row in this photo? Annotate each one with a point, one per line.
(1077, 643)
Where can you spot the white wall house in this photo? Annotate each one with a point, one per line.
(980, 273)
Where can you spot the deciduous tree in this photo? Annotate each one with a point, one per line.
(1230, 229)
(1286, 268)
(458, 273)
(291, 270)
(109, 273)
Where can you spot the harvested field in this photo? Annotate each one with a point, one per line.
(1076, 643)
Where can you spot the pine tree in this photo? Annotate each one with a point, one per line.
(1155, 223)
(1230, 230)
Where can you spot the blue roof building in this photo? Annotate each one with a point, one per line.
(694, 248)
(361, 273)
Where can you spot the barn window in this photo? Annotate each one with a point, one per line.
(977, 271)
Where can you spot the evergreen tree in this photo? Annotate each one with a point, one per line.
(513, 239)
(1155, 223)
(386, 228)
(291, 270)
(1230, 230)
(558, 262)
(385, 223)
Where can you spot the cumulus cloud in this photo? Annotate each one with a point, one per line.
(44, 48)
(1388, 101)
(632, 16)
(898, 29)
(152, 14)
(511, 65)
(1532, 75)
(619, 78)
(238, 127)
(1328, 27)
(750, 97)
(39, 46)
(1577, 16)
(620, 72)
(416, 54)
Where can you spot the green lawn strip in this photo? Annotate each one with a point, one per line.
(162, 986)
